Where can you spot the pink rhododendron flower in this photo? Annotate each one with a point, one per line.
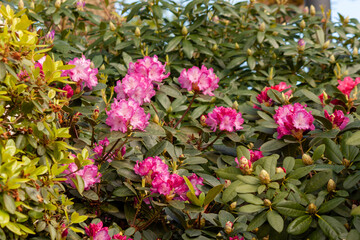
(150, 68)
(255, 155)
(195, 180)
(337, 119)
(264, 98)
(97, 231)
(121, 237)
(236, 238)
(347, 85)
(200, 80)
(226, 119)
(82, 73)
(49, 37)
(80, 5)
(23, 76)
(293, 120)
(151, 166)
(69, 91)
(125, 114)
(135, 87)
(65, 231)
(88, 173)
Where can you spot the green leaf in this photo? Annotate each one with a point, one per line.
(188, 49)
(291, 209)
(9, 203)
(251, 62)
(212, 193)
(230, 173)
(193, 199)
(354, 211)
(156, 150)
(250, 208)
(275, 220)
(4, 218)
(288, 164)
(123, 191)
(229, 192)
(173, 43)
(79, 183)
(311, 96)
(330, 205)
(352, 180)
(236, 62)
(177, 204)
(250, 198)
(249, 179)
(331, 227)
(257, 221)
(242, 151)
(318, 180)
(319, 151)
(260, 36)
(2, 71)
(299, 225)
(246, 188)
(189, 184)
(301, 172)
(14, 228)
(76, 218)
(273, 145)
(332, 151)
(354, 139)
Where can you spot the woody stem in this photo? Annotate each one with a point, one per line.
(187, 110)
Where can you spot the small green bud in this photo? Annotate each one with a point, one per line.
(214, 47)
(262, 27)
(137, 32)
(332, 59)
(312, 10)
(331, 186)
(112, 26)
(249, 52)
(326, 44)
(307, 160)
(184, 31)
(302, 24)
(312, 208)
(21, 5)
(264, 177)
(267, 203)
(237, 47)
(356, 51)
(346, 20)
(58, 3)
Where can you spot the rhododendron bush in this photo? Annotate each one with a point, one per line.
(220, 123)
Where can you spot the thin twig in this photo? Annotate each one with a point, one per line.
(187, 110)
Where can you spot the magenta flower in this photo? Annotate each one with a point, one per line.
(255, 155)
(64, 230)
(49, 37)
(264, 98)
(195, 180)
(150, 68)
(347, 85)
(23, 76)
(293, 120)
(82, 73)
(125, 114)
(121, 237)
(337, 119)
(200, 80)
(226, 119)
(136, 87)
(301, 43)
(80, 5)
(97, 231)
(69, 91)
(151, 167)
(88, 173)
(236, 238)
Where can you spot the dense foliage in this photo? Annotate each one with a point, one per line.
(204, 121)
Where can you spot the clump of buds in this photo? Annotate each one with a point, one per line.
(280, 170)
(306, 159)
(228, 227)
(312, 208)
(264, 177)
(244, 165)
(267, 203)
(331, 186)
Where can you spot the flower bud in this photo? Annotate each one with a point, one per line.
(215, 19)
(306, 159)
(326, 44)
(214, 47)
(202, 222)
(302, 24)
(184, 31)
(58, 3)
(346, 162)
(332, 58)
(264, 177)
(95, 114)
(227, 183)
(331, 186)
(137, 32)
(235, 105)
(156, 119)
(312, 10)
(312, 208)
(203, 120)
(123, 151)
(237, 47)
(21, 5)
(356, 51)
(301, 45)
(112, 26)
(346, 20)
(249, 52)
(244, 165)
(228, 227)
(280, 170)
(306, 10)
(233, 205)
(267, 203)
(262, 27)
(32, 5)
(275, 33)
(169, 110)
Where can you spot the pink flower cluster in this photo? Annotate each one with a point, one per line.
(337, 119)
(200, 80)
(236, 238)
(138, 82)
(265, 99)
(226, 119)
(125, 114)
(98, 232)
(156, 173)
(99, 148)
(255, 155)
(347, 85)
(88, 173)
(82, 73)
(69, 91)
(293, 120)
